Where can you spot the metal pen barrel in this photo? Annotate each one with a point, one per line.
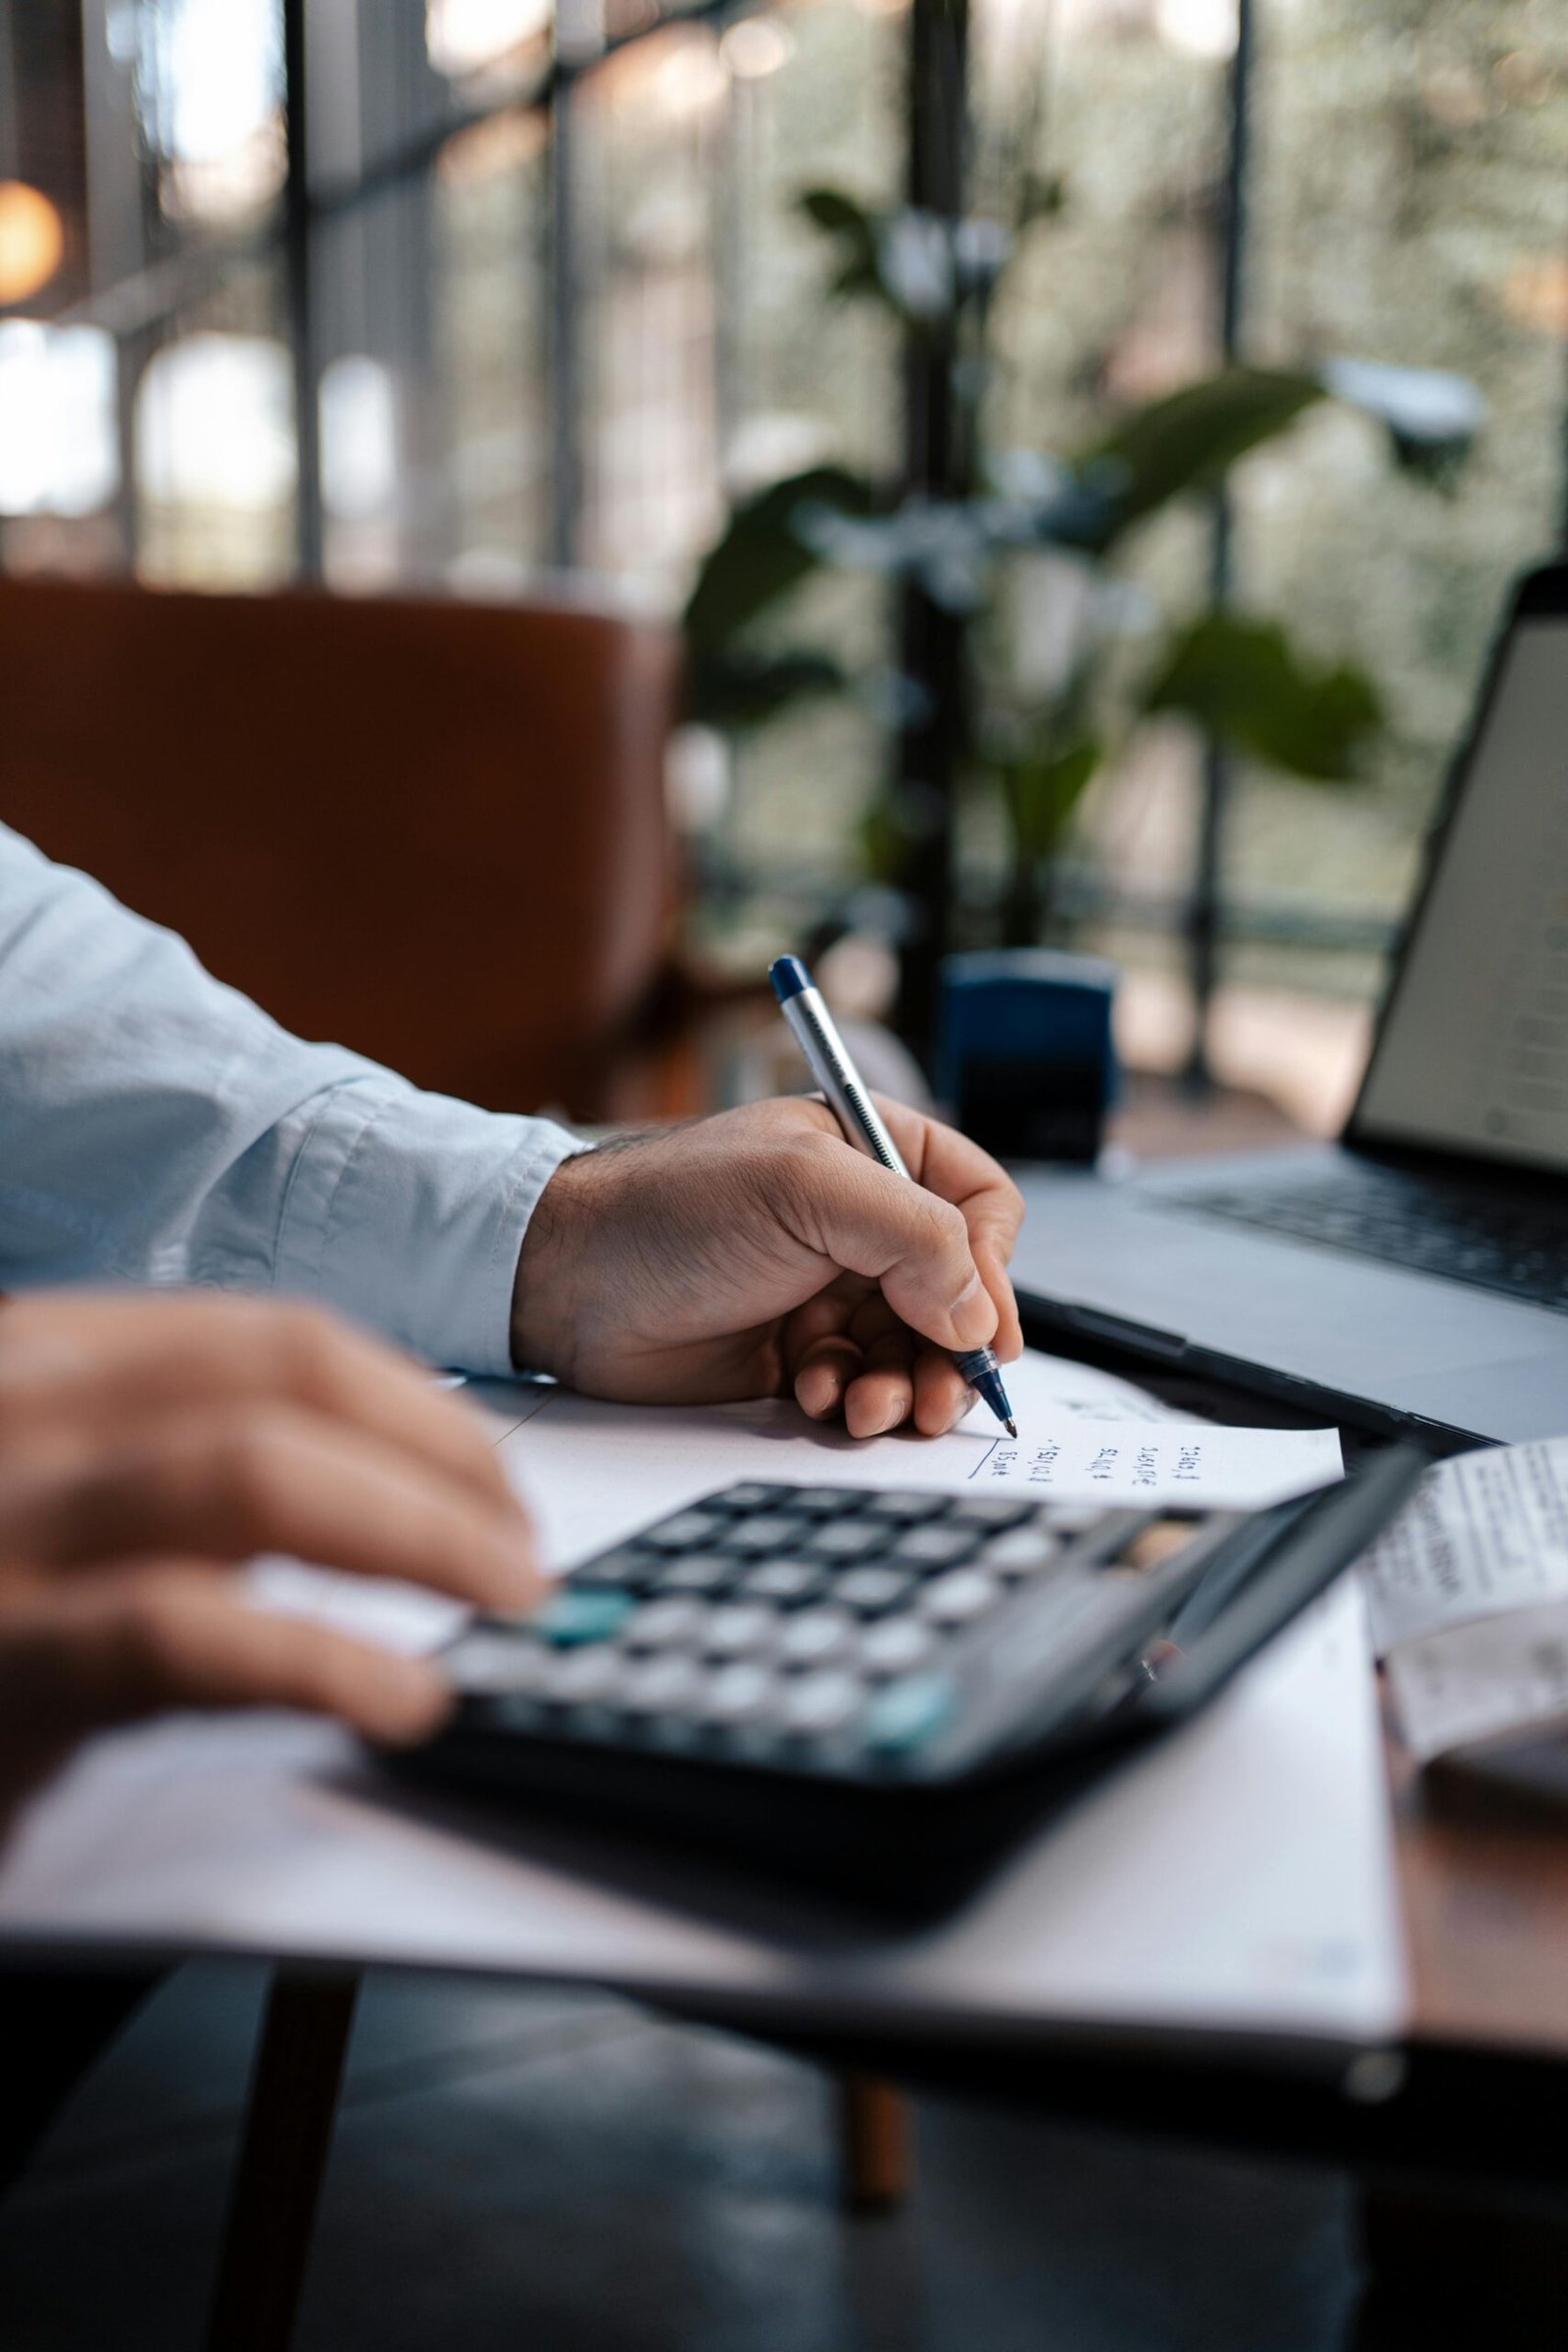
(830, 1065)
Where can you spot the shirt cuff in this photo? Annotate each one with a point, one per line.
(406, 1211)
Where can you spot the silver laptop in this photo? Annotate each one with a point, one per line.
(1416, 1272)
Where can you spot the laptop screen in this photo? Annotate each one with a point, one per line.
(1472, 1052)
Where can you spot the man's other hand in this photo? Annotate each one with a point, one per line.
(756, 1254)
(148, 1443)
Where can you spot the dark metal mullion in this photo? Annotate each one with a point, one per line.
(1207, 907)
(564, 342)
(298, 241)
(932, 642)
(10, 109)
(727, 225)
(1563, 450)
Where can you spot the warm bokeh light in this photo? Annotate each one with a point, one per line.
(1535, 294)
(757, 46)
(214, 425)
(32, 240)
(1206, 28)
(59, 447)
(690, 75)
(463, 36)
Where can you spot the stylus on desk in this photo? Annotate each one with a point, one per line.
(827, 1058)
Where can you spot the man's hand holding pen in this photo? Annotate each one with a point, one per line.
(754, 1255)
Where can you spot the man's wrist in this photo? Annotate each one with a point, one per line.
(544, 1305)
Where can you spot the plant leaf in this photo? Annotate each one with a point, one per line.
(857, 233)
(1246, 685)
(1041, 197)
(884, 842)
(1188, 440)
(740, 688)
(760, 554)
(840, 214)
(1042, 792)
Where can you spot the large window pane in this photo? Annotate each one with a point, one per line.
(213, 437)
(1410, 206)
(1114, 301)
(716, 363)
(490, 313)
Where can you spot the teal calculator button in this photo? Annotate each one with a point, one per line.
(570, 1618)
(907, 1716)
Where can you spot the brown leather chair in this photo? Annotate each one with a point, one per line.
(433, 832)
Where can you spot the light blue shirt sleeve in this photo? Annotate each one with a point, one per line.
(157, 1127)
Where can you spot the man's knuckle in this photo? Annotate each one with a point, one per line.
(154, 1632)
(17, 1409)
(813, 1148)
(250, 1466)
(794, 1170)
(158, 1484)
(15, 1323)
(944, 1224)
(304, 1347)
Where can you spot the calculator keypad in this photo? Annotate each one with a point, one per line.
(826, 1628)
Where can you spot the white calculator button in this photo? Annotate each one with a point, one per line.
(1074, 1519)
(686, 1530)
(1025, 1553)
(587, 1677)
(871, 1589)
(815, 1636)
(958, 1598)
(737, 1694)
(491, 1662)
(664, 1625)
(821, 1702)
(730, 1632)
(897, 1645)
(936, 1547)
(656, 1684)
(787, 1582)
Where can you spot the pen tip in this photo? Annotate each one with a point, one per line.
(1011, 1429)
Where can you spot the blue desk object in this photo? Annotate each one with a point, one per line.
(1025, 1057)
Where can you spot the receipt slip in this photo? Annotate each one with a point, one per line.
(1467, 1598)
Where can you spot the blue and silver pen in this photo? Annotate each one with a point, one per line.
(816, 1035)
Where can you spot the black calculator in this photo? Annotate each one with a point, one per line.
(878, 1692)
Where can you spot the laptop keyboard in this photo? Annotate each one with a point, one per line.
(1518, 1250)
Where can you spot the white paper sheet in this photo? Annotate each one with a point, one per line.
(1485, 1533)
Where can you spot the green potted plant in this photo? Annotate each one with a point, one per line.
(1024, 522)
